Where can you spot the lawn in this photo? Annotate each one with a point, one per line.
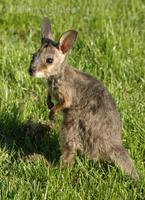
(111, 47)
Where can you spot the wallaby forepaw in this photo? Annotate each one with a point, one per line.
(51, 115)
(50, 105)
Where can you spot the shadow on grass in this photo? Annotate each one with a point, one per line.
(32, 139)
(28, 138)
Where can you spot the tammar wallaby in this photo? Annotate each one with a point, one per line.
(91, 123)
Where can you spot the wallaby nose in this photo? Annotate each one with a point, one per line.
(32, 70)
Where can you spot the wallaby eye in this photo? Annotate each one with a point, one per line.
(49, 60)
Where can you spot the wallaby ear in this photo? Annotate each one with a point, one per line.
(46, 29)
(66, 40)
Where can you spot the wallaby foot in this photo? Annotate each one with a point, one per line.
(67, 157)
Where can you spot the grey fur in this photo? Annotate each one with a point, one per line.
(91, 123)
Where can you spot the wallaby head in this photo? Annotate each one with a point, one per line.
(49, 59)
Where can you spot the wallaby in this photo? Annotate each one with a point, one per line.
(91, 123)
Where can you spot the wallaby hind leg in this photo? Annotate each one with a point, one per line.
(121, 158)
(67, 155)
(68, 142)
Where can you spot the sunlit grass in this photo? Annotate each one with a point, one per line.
(111, 47)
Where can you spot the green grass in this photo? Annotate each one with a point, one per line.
(110, 46)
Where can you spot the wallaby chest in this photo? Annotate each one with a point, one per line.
(56, 88)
